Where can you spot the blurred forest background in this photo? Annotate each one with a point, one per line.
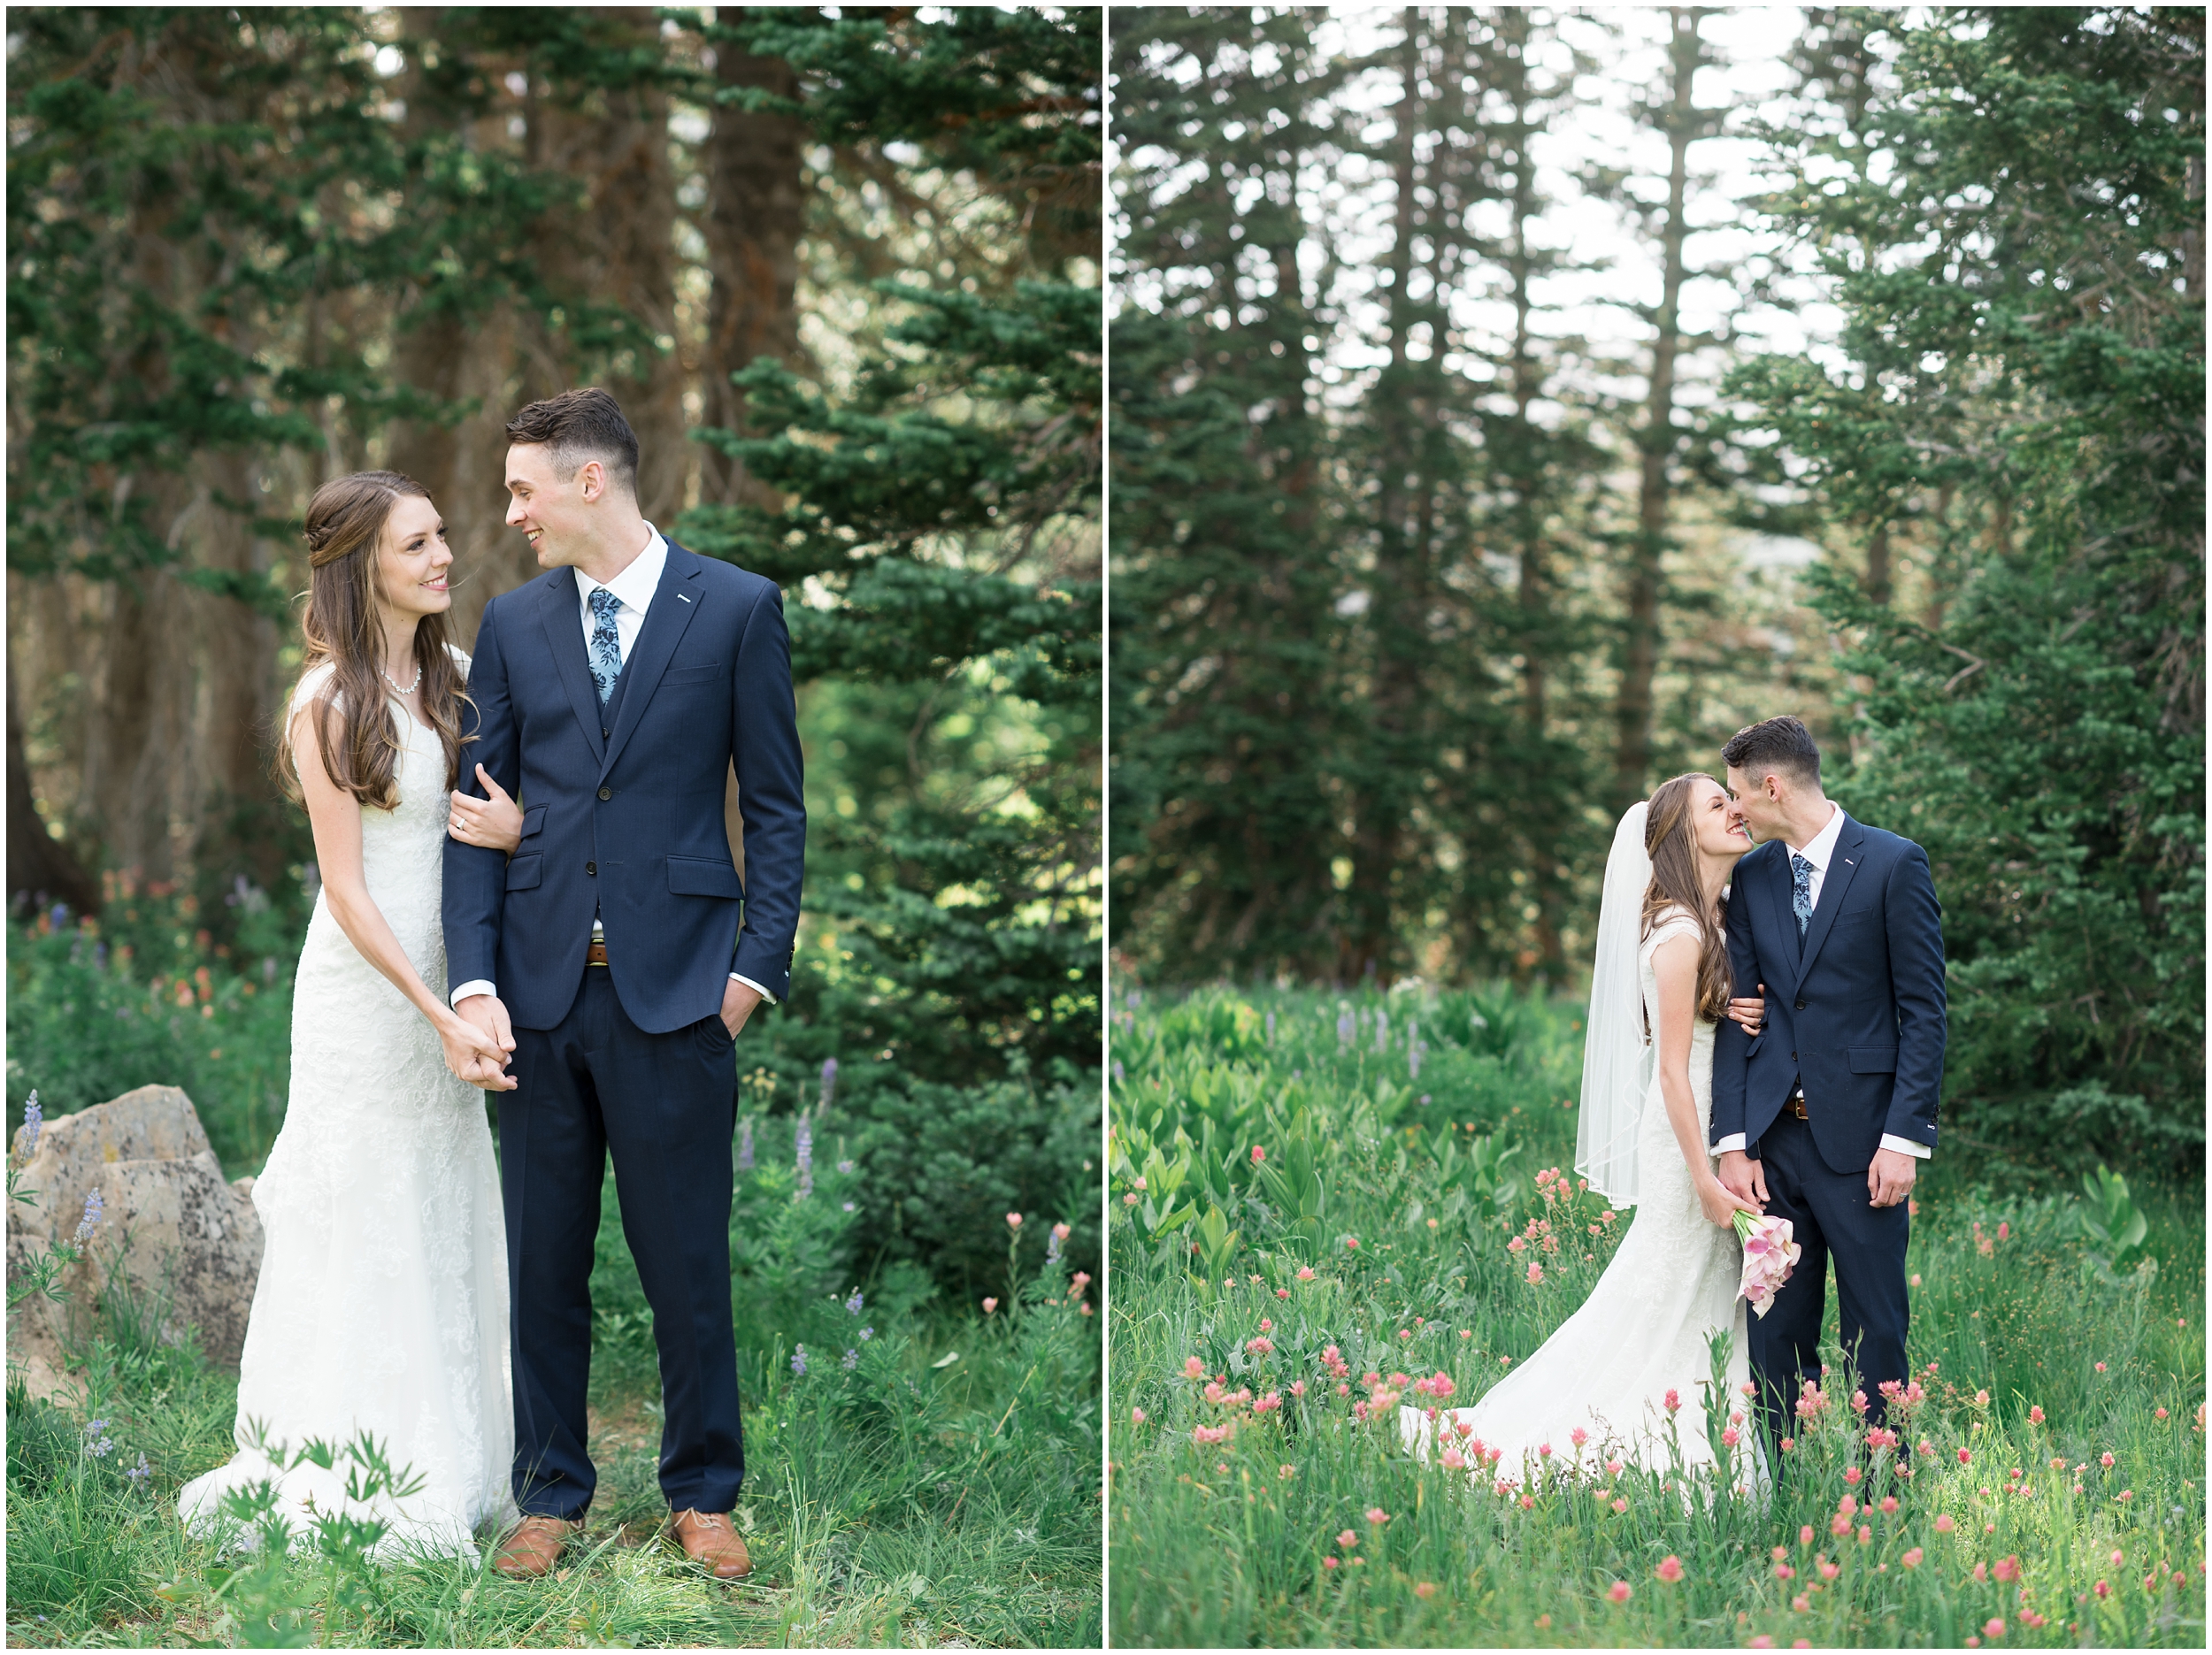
(841, 267)
(1417, 581)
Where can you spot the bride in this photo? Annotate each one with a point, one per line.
(381, 1304)
(1641, 1338)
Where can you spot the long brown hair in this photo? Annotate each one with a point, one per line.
(354, 732)
(1670, 840)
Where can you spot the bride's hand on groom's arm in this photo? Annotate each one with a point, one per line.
(1751, 1012)
(494, 820)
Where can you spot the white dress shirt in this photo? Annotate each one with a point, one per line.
(634, 589)
(1821, 851)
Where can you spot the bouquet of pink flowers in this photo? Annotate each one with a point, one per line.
(1770, 1254)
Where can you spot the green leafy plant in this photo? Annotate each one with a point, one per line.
(2113, 1225)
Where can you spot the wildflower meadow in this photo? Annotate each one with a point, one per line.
(1324, 1206)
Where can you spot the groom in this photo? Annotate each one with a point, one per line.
(619, 951)
(1824, 1116)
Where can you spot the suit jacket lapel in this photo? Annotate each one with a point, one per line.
(675, 600)
(561, 613)
(1833, 886)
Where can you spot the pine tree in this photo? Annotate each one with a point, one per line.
(1224, 705)
(2029, 386)
(942, 509)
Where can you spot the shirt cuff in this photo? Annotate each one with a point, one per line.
(1735, 1140)
(757, 988)
(477, 985)
(1906, 1146)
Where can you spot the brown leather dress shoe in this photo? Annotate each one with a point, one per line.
(534, 1547)
(708, 1538)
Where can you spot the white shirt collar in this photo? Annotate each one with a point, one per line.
(1822, 851)
(636, 584)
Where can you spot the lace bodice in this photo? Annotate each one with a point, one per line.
(1679, 922)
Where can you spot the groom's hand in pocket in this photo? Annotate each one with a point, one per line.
(738, 1001)
(486, 1015)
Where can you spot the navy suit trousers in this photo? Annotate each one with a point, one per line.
(1829, 1213)
(664, 1105)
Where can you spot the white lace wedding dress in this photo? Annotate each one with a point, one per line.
(381, 1304)
(1642, 1331)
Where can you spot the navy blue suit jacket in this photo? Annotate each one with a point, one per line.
(1857, 1017)
(629, 823)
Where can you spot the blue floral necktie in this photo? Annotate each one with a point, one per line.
(1800, 893)
(606, 648)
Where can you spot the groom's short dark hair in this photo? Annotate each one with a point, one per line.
(1781, 744)
(579, 425)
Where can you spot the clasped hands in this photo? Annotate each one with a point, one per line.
(480, 1038)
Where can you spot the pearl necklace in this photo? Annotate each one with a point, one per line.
(407, 689)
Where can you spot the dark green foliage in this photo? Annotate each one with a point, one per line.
(145, 996)
(1011, 94)
(945, 506)
(2029, 384)
(1347, 668)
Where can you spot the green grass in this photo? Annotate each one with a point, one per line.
(1228, 1541)
(901, 1501)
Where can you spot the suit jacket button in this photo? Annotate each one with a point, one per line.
(1792, 1057)
(592, 868)
(1801, 1003)
(602, 735)
(608, 792)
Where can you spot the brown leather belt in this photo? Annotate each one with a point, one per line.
(596, 954)
(1795, 1104)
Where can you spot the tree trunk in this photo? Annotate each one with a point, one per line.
(1632, 764)
(40, 866)
(755, 212)
(1398, 605)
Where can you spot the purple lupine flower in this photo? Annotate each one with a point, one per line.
(1270, 1028)
(848, 1166)
(852, 1207)
(34, 1118)
(867, 1333)
(1382, 1029)
(1413, 1061)
(853, 1305)
(806, 1157)
(852, 1358)
(1120, 1079)
(93, 1208)
(798, 1360)
(139, 1473)
(97, 1440)
(1345, 1027)
(61, 916)
(829, 1080)
(745, 1145)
